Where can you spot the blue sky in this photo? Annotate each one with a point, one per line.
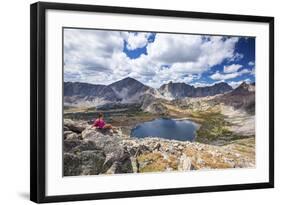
(103, 57)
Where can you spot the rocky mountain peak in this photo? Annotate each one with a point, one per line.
(129, 89)
(125, 82)
(243, 84)
(244, 88)
(176, 90)
(221, 84)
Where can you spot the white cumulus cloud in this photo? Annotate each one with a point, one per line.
(251, 63)
(97, 56)
(226, 76)
(231, 68)
(136, 40)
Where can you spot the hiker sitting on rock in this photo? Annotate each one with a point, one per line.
(100, 123)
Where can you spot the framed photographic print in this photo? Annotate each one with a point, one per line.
(129, 102)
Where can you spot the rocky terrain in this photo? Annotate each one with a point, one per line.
(225, 137)
(90, 151)
(243, 97)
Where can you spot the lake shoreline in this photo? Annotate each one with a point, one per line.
(150, 154)
(214, 125)
(166, 128)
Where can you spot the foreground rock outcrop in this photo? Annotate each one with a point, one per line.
(89, 151)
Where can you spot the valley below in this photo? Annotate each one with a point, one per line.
(225, 137)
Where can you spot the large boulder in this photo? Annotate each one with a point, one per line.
(71, 165)
(106, 140)
(84, 146)
(92, 162)
(117, 157)
(82, 158)
(75, 126)
(84, 163)
(78, 146)
(69, 135)
(118, 163)
(66, 133)
(97, 151)
(124, 164)
(69, 145)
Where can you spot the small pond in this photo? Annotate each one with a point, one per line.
(183, 130)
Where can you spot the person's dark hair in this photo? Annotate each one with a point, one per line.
(100, 115)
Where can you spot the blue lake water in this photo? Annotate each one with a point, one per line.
(183, 130)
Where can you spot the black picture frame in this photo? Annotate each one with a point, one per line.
(38, 100)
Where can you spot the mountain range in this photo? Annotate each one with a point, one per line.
(182, 90)
(129, 90)
(241, 97)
